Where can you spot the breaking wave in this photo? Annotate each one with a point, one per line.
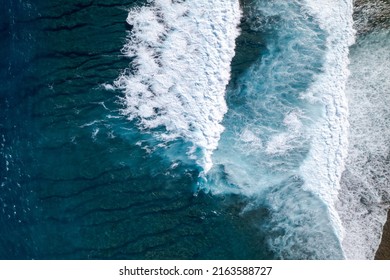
(181, 53)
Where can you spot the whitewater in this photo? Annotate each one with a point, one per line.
(277, 135)
(365, 195)
(182, 52)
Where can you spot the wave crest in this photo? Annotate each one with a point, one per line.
(181, 53)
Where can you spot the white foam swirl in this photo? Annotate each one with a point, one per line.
(323, 168)
(291, 114)
(365, 192)
(181, 53)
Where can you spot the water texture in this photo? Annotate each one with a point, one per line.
(191, 129)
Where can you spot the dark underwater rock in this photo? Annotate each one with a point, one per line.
(370, 15)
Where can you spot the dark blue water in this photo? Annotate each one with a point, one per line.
(141, 153)
(74, 184)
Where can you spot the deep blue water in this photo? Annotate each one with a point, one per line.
(67, 193)
(97, 163)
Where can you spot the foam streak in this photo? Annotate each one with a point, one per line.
(330, 140)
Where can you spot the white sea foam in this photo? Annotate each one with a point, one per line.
(323, 168)
(287, 138)
(265, 137)
(365, 192)
(282, 142)
(181, 53)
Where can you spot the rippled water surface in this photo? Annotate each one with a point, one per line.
(188, 129)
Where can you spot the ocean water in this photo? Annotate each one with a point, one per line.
(365, 193)
(191, 129)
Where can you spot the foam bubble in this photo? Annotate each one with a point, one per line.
(282, 142)
(330, 133)
(181, 53)
(298, 227)
(292, 99)
(365, 193)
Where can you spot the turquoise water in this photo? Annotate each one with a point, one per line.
(194, 130)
